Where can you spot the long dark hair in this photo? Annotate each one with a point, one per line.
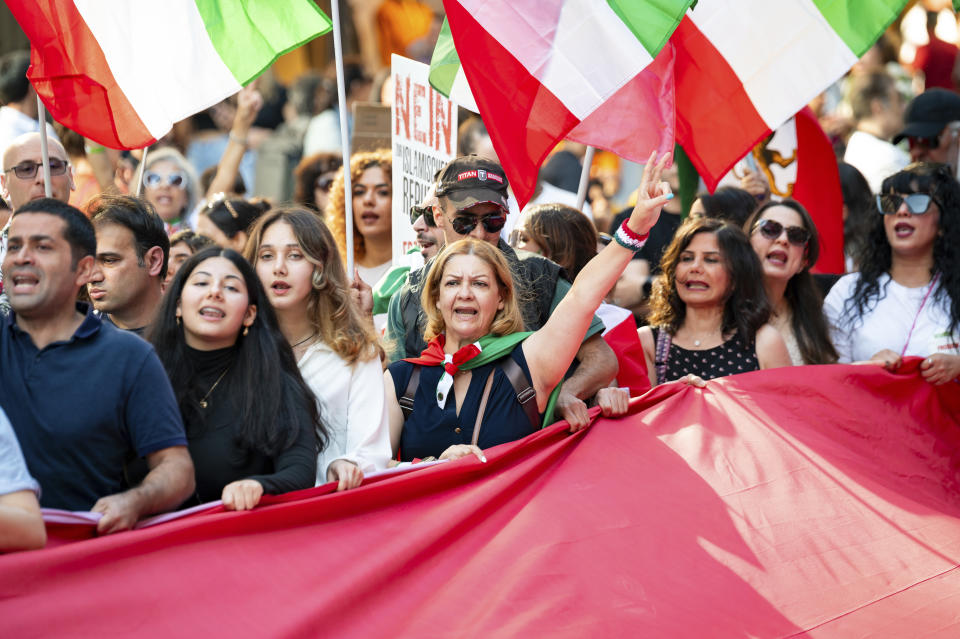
(567, 236)
(746, 308)
(861, 209)
(263, 381)
(802, 293)
(876, 256)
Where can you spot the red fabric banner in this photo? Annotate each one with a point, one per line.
(799, 501)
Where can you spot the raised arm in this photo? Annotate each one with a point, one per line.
(249, 103)
(550, 350)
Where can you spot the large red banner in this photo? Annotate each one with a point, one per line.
(814, 501)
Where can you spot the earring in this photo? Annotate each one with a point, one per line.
(178, 320)
(246, 329)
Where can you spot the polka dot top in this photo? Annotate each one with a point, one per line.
(731, 357)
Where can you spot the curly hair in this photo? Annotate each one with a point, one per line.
(336, 208)
(746, 307)
(567, 236)
(330, 309)
(307, 173)
(802, 294)
(507, 320)
(876, 255)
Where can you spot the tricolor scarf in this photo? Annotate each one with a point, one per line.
(488, 348)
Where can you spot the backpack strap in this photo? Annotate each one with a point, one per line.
(664, 340)
(526, 395)
(406, 400)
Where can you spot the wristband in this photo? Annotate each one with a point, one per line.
(628, 239)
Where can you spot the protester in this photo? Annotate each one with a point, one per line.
(133, 250)
(936, 59)
(183, 244)
(709, 311)
(227, 220)
(251, 422)
(22, 178)
(469, 296)
(472, 195)
(315, 175)
(859, 211)
(18, 100)
(929, 117)
(82, 396)
(878, 111)
(906, 298)
(558, 232)
(786, 241)
(171, 186)
(370, 175)
(335, 347)
(728, 203)
(21, 524)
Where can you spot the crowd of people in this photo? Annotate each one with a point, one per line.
(175, 340)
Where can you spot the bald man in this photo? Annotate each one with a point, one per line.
(22, 182)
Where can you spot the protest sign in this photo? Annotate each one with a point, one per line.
(424, 136)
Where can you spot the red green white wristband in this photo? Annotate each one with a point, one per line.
(628, 239)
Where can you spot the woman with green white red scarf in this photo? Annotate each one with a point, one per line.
(482, 380)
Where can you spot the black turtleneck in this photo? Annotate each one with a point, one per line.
(218, 456)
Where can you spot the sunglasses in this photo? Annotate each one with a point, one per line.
(771, 229)
(28, 170)
(426, 211)
(464, 224)
(917, 203)
(176, 180)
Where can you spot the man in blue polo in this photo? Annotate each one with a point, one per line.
(82, 396)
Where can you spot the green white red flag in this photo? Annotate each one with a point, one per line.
(121, 73)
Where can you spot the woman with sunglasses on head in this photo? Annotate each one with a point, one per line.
(370, 176)
(336, 349)
(170, 184)
(314, 176)
(252, 423)
(482, 380)
(226, 220)
(785, 239)
(906, 298)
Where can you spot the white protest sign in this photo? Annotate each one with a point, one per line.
(424, 138)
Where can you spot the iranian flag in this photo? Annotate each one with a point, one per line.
(744, 67)
(121, 73)
(595, 71)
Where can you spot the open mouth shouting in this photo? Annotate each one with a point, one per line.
(777, 257)
(903, 229)
(24, 282)
(212, 313)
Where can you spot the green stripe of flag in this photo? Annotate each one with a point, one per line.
(859, 24)
(249, 36)
(445, 63)
(653, 21)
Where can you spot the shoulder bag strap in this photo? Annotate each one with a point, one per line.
(483, 407)
(526, 395)
(662, 353)
(406, 400)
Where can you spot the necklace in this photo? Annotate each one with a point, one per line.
(203, 402)
(305, 339)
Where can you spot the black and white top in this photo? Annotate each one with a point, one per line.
(731, 357)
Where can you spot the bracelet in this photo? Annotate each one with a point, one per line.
(236, 138)
(628, 239)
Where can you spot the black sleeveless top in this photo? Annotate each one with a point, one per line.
(731, 357)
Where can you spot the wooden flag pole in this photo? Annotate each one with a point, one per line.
(584, 177)
(344, 135)
(44, 151)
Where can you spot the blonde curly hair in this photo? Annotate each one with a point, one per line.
(336, 209)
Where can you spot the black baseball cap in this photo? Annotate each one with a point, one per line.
(928, 113)
(470, 180)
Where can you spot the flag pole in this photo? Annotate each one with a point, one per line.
(584, 177)
(140, 169)
(344, 135)
(44, 151)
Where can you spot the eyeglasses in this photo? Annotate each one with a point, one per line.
(176, 180)
(917, 203)
(427, 213)
(464, 224)
(28, 170)
(771, 229)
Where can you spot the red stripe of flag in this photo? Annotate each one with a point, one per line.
(716, 121)
(71, 75)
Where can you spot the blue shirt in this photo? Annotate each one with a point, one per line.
(84, 406)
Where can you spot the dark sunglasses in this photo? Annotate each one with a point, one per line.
(28, 170)
(464, 224)
(176, 180)
(425, 211)
(917, 203)
(771, 229)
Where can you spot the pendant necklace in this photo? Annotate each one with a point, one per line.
(203, 402)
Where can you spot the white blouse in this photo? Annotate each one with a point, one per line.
(352, 406)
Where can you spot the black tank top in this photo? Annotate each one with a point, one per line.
(731, 357)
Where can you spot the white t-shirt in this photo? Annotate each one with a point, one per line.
(13, 124)
(886, 324)
(352, 407)
(877, 159)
